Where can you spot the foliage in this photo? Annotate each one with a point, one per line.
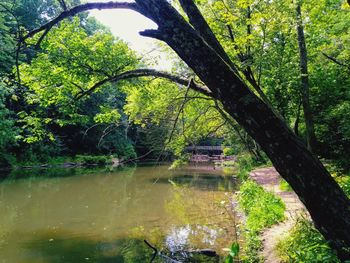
(228, 151)
(65, 70)
(284, 186)
(38, 153)
(180, 161)
(187, 117)
(344, 182)
(8, 132)
(94, 160)
(233, 253)
(263, 209)
(339, 174)
(7, 44)
(305, 244)
(261, 37)
(244, 164)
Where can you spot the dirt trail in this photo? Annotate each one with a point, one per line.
(270, 179)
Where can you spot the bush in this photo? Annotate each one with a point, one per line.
(263, 209)
(94, 160)
(38, 153)
(127, 153)
(180, 161)
(6, 160)
(244, 164)
(305, 244)
(228, 151)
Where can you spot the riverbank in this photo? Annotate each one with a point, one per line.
(67, 162)
(295, 239)
(270, 180)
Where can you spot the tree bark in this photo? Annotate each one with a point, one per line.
(326, 202)
(328, 205)
(304, 77)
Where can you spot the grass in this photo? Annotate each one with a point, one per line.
(263, 209)
(305, 244)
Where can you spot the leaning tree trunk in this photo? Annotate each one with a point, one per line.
(322, 196)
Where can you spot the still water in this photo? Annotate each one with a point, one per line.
(76, 215)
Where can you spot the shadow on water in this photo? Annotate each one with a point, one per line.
(58, 249)
(74, 250)
(203, 182)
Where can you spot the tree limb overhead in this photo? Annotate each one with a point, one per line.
(148, 73)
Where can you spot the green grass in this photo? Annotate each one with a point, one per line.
(263, 209)
(305, 244)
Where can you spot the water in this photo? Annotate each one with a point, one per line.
(104, 216)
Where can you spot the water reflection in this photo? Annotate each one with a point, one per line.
(105, 216)
(56, 249)
(204, 182)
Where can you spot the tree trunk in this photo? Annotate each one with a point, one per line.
(304, 76)
(328, 205)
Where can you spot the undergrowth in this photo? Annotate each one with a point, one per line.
(305, 244)
(245, 163)
(263, 209)
(91, 160)
(284, 186)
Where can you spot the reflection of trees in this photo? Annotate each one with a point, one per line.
(53, 201)
(83, 205)
(7, 222)
(198, 219)
(205, 182)
(57, 248)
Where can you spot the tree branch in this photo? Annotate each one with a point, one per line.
(336, 61)
(181, 109)
(63, 4)
(148, 73)
(78, 9)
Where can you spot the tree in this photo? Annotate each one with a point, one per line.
(305, 90)
(55, 79)
(8, 133)
(198, 47)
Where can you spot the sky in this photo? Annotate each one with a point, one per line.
(127, 24)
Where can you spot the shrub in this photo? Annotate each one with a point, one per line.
(94, 160)
(244, 164)
(127, 153)
(228, 151)
(180, 161)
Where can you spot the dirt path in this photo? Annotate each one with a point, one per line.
(270, 179)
